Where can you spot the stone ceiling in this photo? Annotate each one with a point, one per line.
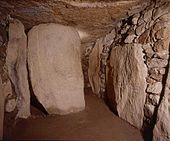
(93, 18)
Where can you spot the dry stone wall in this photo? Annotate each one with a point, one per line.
(150, 31)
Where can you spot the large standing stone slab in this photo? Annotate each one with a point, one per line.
(161, 130)
(126, 83)
(1, 109)
(55, 68)
(94, 67)
(17, 68)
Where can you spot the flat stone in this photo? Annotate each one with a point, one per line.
(155, 88)
(155, 62)
(147, 15)
(154, 99)
(135, 19)
(54, 63)
(150, 80)
(140, 29)
(157, 77)
(162, 55)
(17, 68)
(129, 39)
(127, 83)
(149, 52)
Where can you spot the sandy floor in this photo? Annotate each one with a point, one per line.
(95, 123)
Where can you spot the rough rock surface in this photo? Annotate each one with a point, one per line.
(16, 65)
(1, 109)
(126, 90)
(55, 68)
(10, 105)
(161, 130)
(93, 17)
(94, 66)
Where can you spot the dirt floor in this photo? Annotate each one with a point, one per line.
(95, 123)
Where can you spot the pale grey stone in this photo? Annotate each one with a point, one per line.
(54, 62)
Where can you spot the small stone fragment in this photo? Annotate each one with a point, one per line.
(154, 99)
(135, 19)
(10, 105)
(155, 88)
(140, 29)
(147, 16)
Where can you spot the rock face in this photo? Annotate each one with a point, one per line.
(162, 128)
(94, 67)
(1, 109)
(127, 84)
(95, 17)
(55, 68)
(16, 65)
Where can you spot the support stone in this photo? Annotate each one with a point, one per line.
(126, 83)
(54, 62)
(17, 68)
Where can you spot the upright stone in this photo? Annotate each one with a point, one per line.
(17, 68)
(55, 68)
(1, 109)
(126, 83)
(161, 130)
(94, 67)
